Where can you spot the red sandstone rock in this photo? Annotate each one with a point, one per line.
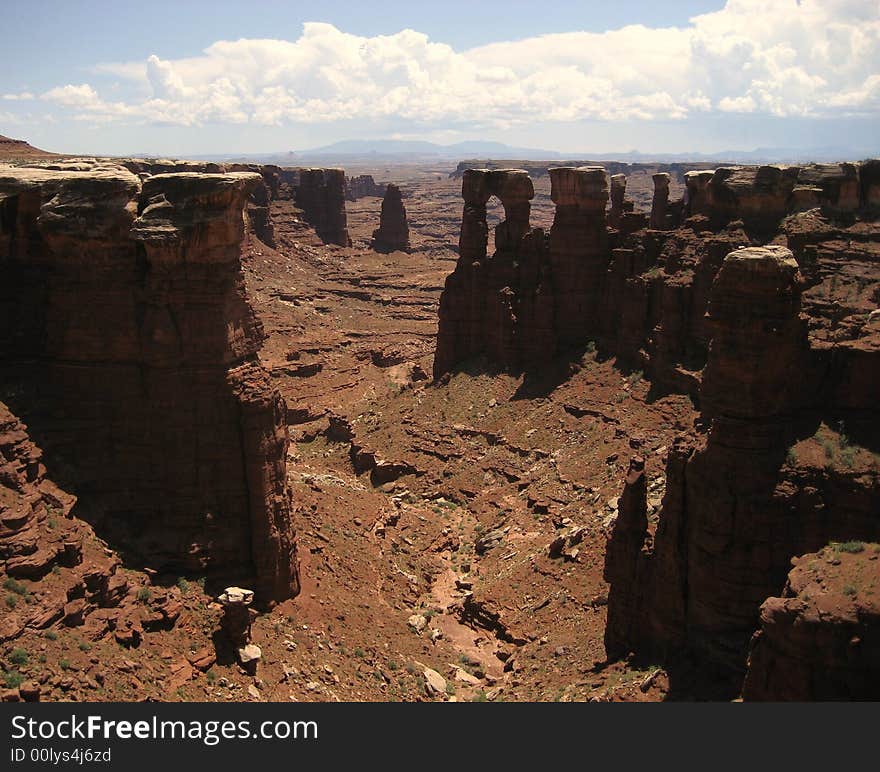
(362, 186)
(731, 517)
(393, 231)
(128, 317)
(321, 196)
(821, 639)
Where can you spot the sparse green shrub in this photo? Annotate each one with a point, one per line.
(849, 590)
(51, 635)
(11, 601)
(15, 586)
(791, 457)
(18, 657)
(12, 679)
(849, 546)
(85, 646)
(144, 595)
(183, 585)
(64, 664)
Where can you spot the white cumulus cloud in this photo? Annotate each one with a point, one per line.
(806, 58)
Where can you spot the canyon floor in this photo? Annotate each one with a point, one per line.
(467, 485)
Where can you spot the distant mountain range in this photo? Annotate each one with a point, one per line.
(402, 151)
(415, 151)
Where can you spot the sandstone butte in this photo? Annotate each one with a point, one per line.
(709, 368)
(393, 231)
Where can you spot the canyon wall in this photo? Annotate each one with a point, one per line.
(131, 351)
(756, 294)
(639, 290)
(745, 497)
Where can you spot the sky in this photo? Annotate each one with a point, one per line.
(187, 78)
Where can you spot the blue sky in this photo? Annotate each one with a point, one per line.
(197, 77)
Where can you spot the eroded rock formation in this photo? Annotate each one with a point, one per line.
(362, 186)
(480, 305)
(762, 310)
(640, 292)
(132, 352)
(738, 506)
(820, 640)
(236, 625)
(393, 231)
(321, 195)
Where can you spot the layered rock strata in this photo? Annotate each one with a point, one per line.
(780, 346)
(393, 231)
(820, 640)
(361, 186)
(320, 193)
(738, 506)
(132, 352)
(41, 539)
(639, 292)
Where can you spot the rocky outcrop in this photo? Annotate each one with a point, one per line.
(36, 531)
(393, 231)
(759, 196)
(236, 626)
(820, 640)
(321, 195)
(660, 202)
(618, 196)
(758, 348)
(41, 539)
(132, 353)
(361, 186)
(579, 250)
(738, 505)
(477, 313)
(639, 290)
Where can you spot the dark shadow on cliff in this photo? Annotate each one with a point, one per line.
(693, 681)
(121, 517)
(541, 380)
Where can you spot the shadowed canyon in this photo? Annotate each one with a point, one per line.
(494, 432)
